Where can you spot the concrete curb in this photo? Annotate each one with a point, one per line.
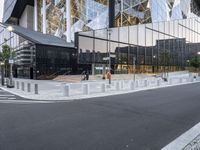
(187, 141)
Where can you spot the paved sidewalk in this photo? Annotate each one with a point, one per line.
(53, 90)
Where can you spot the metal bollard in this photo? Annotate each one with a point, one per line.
(103, 87)
(17, 84)
(190, 75)
(158, 83)
(170, 81)
(122, 85)
(66, 91)
(28, 87)
(136, 84)
(22, 86)
(146, 83)
(85, 89)
(36, 88)
(181, 80)
(117, 86)
(132, 85)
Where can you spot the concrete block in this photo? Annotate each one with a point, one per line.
(136, 84)
(146, 84)
(103, 87)
(86, 89)
(181, 80)
(117, 86)
(22, 86)
(28, 87)
(66, 90)
(17, 84)
(158, 82)
(132, 86)
(36, 89)
(171, 81)
(122, 85)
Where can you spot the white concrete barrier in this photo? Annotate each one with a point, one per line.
(22, 86)
(136, 84)
(181, 80)
(17, 84)
(158, 82)
(36, 89)
(103, 87)
(86, 89)
(170, 81)
(122, 85)
(132, 86)
(146, 82)
(66, 90)
(28, 87)
(117, 86)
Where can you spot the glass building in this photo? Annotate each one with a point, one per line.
(38, 56)
(160, 35)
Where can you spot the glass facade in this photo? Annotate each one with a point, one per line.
(160, 34)
(24, 50)
(93, 14)
(157, 47)
(37, 61)
(52, 60)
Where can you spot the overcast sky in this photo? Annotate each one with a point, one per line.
(1, 9)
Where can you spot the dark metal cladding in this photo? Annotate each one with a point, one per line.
(15, 8)
(39, 38)
(111, 13)
(198, 3)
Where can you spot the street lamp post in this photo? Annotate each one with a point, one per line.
(134, 71)
(198, 53)
(188, 63)
(154, 57)
(10, 29)
(109, 53)
(2, 73)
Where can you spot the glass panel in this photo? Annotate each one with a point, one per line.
(114, 35)
(133, 35)
(124, 34)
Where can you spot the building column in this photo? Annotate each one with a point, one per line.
(35, 16)
(44, 29)
(111, 13)
(68, 20)
(122, 11)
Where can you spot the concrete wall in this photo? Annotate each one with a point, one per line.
(26, 19)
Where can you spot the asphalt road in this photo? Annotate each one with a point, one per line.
(146, 120)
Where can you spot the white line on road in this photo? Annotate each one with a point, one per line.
(12, 98)
(3, 97)
(185, 139)
(6, 95)
(23, 101)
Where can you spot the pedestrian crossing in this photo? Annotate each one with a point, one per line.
(8, 98)
(24, 102)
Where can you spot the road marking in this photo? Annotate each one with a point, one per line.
(24, 102)
(186, 141)
(6, 95)
(12, 98)
(3, 97)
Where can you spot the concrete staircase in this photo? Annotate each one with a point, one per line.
(68, 78)
(77, 78)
